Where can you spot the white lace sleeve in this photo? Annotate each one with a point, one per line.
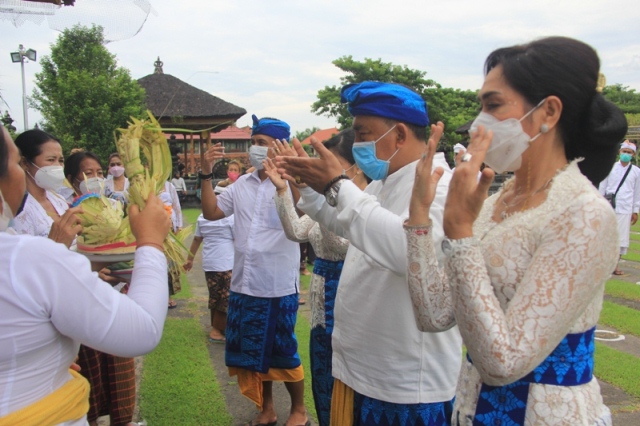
(558, 274)
(295, 228)
(428, 283)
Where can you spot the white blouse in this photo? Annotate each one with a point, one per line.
(326, 245)
(34, 219)
(517, 289)
(51, 302)
(170, 198)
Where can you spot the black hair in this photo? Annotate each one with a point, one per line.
(418, 131)
(591, 127)
(115, 154)
(72, 163)
(4, 154)
(30, 142)
(342, 143)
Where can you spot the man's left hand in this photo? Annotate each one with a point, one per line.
(315, 172)
(634, 218)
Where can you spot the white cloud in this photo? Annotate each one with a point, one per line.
(272, 57)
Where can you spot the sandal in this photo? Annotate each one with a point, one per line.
(618, 272)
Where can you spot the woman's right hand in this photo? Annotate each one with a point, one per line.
(151, 225)
(424, 187)
(272, 172)
(65, 229)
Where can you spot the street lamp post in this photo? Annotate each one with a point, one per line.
(19, 57)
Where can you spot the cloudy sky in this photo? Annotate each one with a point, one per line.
(271, 57)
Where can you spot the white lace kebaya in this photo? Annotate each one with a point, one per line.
(516, 289)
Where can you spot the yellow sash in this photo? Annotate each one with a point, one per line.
(341, 404)
(69, 402)
(250, 382)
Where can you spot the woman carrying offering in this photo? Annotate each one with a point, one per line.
(51, 302)
(331, 251)
(525, 268)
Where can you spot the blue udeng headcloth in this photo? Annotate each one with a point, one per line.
(271, 127)
(388, 100)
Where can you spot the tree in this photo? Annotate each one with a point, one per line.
(82, 94)
(454, 107)
(628, 100)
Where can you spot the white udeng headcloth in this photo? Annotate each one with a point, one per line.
(458, 147)
(628, 145)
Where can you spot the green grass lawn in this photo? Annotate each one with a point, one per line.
(623, 289)
(191, 215)
(178, 384)
(625, 320)
(617, 368)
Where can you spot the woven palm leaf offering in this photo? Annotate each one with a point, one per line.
(105, 230)
(146, 137)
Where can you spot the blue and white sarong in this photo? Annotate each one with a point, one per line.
(320, 343)
(260, 332)
(373, 412)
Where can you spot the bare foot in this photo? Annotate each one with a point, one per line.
(297, 418)
(264, 419)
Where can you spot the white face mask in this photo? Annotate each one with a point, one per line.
(7, 215)
(508, 143)
(256, 155)
(49, 177)
(116, 171)
(93, 185)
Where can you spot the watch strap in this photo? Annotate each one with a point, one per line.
(205, 177)
(333, 182)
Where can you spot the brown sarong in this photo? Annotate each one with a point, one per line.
(113, 385)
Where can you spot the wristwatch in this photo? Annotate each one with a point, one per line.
(331, 193)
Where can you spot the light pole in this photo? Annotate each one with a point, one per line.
(19, 57)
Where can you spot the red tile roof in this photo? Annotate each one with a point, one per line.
(321, 135)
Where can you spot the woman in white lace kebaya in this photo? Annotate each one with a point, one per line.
(330, 253)
(524, 270)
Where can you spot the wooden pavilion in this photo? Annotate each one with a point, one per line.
(178, 105)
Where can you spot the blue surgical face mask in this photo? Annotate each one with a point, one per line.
(625, 157)
(365, 155)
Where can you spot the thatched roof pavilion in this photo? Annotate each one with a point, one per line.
(179, 105)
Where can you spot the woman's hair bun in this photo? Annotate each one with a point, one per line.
(604, 127)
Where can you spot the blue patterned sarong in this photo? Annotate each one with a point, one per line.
(570, 364)
(373, 412)
(260, 332)
(320, 343)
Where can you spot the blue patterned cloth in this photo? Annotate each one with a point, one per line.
(388, 100)
(320, 343)
(277, 129)
(570, 364)
(260, 332)
(373, 412)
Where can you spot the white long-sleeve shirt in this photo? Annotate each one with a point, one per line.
(266, 263)
(628, 197)
(377, 347)
(51, 302)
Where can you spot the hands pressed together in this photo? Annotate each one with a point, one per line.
(466, 195)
